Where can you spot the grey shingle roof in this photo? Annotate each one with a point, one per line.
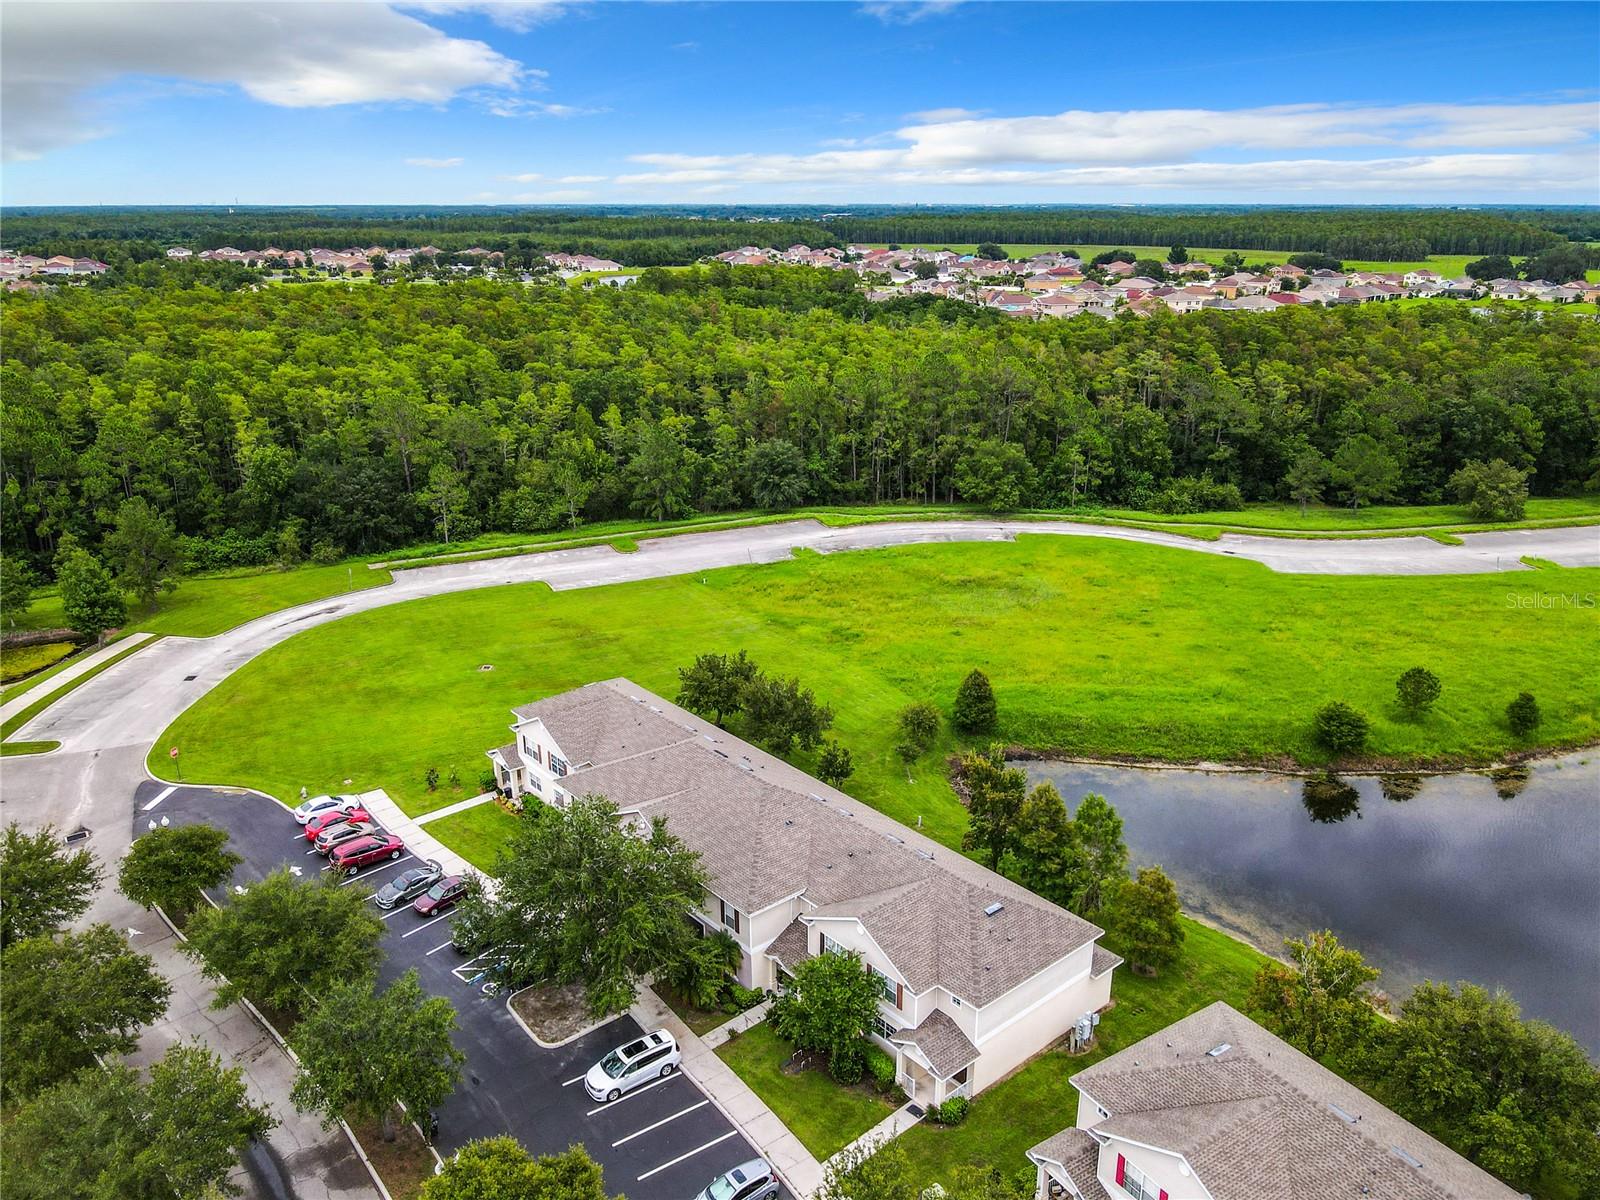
(1104, 961)
(766, 831)
(792, 946)
(1078, 1155)
(941, 1041)
(1259, 1121)
(510, 755)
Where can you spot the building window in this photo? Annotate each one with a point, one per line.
(956, 1000)
(730, 916)
(829, 946)
(558, 766)
(882, 1028)
(533, 781)
(890, 995)
(1137, 1184)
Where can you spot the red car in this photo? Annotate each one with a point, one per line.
(349, 857)
(440, 896)
(326, 820)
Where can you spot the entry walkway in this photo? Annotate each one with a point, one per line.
(795, 1165)
(410, 831)
(885, 1130)
(450, 810)
(61, 678)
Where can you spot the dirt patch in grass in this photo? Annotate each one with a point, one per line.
(555, 1012)
(404, 1164)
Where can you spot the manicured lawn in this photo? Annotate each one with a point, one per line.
(1038, 1100)
(476, 834)
(1095, 647)
(18, 662)
(1338, 519)
(823, 1115)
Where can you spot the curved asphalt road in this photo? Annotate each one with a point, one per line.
(106, 726)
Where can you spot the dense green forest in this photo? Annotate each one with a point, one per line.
(367, 417)
(649, 237)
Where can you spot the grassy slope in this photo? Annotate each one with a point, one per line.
(1094, 647)
(25, 664)
(1330, 519)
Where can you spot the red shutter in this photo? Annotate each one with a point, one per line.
(1163, 1195)
(899, 995)
(1122, 1169)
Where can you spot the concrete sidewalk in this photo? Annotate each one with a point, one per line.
(421, 843)
(885, 1130)
(450, 810)
(795, 1165)
(61, 678)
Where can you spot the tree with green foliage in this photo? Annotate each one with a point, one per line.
(1143, 920)
(1520, 1098)
(1491, 266)
(43, 885)
(364, 1052)
(1177, 255)
(776, 471)
(919, 729)
(1418, 690)
(994, 474)
(828, 1005)
(991, 252)
(660, 468)
(446, 497)
(1111, 256)
(284, 943)
(1492, 491)
(925, 268)
(1150, 268)
(995, 794)
(779, 714)
(879, 1170)
(90, 599)
(1312, 261)
(144, 549)
(1044, 851)
(701, 974)
(1321, 1000)
(70, 998)
(1341, 728)
(975, 710)
(1101, 856)
(1523, 715)
(498, 1168)
(583, 900)
(17, 582)
(1365, 469)
(713, 686)
(170, 867)
(1306, 478)
(834, 764)
(106, 1133)
(1562, 262)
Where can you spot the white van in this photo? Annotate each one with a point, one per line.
(653, 1056)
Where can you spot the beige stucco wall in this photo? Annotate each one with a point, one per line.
(1165, 1170)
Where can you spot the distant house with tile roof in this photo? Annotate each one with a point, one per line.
(1213, 1107)
(978, 974)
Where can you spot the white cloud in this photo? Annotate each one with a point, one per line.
(519, 16)
(931, 115)
(581, 179)
(908, 12)
(525, 177)
(294, 56)
(1434, 149)
(435, 164)
(519, 106)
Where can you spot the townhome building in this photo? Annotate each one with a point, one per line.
(978, 974)
(1214, 1107)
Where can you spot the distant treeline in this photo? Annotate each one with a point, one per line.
(361, 419)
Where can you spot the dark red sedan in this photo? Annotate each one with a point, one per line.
(440, 896)
(349, 857)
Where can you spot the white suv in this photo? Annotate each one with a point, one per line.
(653, 1056)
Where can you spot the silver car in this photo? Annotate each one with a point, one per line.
(652, 1056)
(753, 1180)
(408, 885)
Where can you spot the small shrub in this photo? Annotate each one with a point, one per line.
(919, 726)
(1523, 714)
(487, 781)
(975, 710)
(743, 998)
(455, 779)
(847, 1063)
(324, 553)
(1417, 690)
(880, 1065)
(432, 778)
(952, 1112)
(1341, 728)
(834, 764)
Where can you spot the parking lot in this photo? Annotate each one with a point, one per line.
(665, 1139)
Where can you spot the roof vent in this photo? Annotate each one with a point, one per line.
(1405, 1156)
(1342, 1115)
(744, 766)
(1219, 1050)
(654, 709)
(993, 908)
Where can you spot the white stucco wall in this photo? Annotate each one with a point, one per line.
(1166, 1171)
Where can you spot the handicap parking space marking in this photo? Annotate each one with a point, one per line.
(690, 1154)
(420, 928)
(439, 947)
(160, 798)
(682, 1112)
(392, 863)
(626, 1096)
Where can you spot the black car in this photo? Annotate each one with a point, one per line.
(409, 884)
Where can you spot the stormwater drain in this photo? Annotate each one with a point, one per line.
(486, 667)
(188, 678)
(80, 834)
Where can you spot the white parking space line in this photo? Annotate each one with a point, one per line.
(160, 798)
(626, 1096)
(573, 1080)
(420, 928)
(371, 873)
(438, 948)
(680, 1113)
(403, 906)
(691, 1154)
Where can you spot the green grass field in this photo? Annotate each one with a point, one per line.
(23, 663)
(1329, 519)
(1095, 647)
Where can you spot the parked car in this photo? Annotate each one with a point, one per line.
(307, 809)
(334, 816)
(351, 856)
(440, 896)
(653, 1056)
(343, 831)
(753, 1180)
(409, 884)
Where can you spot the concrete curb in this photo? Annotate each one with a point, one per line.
(528, 1029)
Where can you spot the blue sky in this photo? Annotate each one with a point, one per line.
(831, 103)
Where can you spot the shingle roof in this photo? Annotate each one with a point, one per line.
(1104, 961)
(1262, 1121)
(792, 946)
(510, 755)
(942, 1043)
(1078, 1155)
(766, 831)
